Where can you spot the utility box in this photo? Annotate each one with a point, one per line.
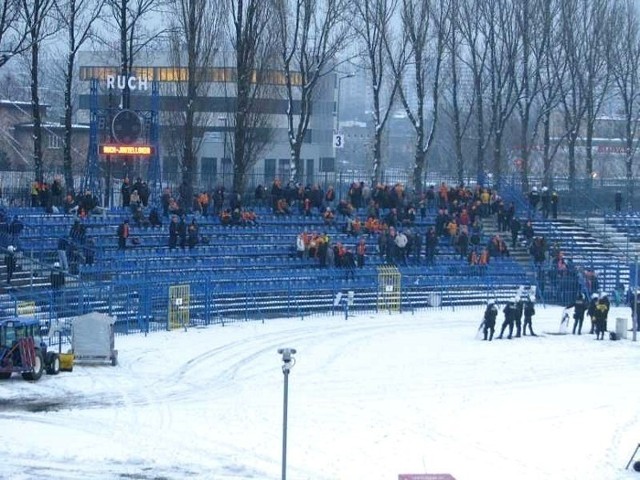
(93, 338)
(621, 328)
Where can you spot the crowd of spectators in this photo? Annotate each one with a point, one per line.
(392, 219)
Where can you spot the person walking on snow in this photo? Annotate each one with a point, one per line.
(517, 316)
(489, 321)
(579, 308)
(591, 311)
(509, 312)
(529, 312)
(600, 315)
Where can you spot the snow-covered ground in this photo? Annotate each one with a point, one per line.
(369, 398)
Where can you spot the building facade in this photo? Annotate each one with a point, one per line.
(214, 130)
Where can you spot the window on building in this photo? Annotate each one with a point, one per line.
(209, 166)
(284, 169)
(171, 166)
(327, 164)
(54, 141)
(309, 170)
(269, 170)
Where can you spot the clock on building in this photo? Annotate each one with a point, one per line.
(126, 126)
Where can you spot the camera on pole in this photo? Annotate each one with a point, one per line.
(288, 361)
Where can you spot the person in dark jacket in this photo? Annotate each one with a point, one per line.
(509, 312)
(515, 231)
(604, 298)
(63, 247)
(57, 277)
(489, 320)
(349, 264)
(154, 218)
(182, 232)
(10, 262)
(600, 314)
(579, 308)
(591, 311)
(517, 316)
(193, 233)
(125, 191)
(173, 232)
(123, 234)
(635, 308)
(529, 311)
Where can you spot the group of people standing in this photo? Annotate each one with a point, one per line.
(514, 310)
(597, 309)
(523, 305)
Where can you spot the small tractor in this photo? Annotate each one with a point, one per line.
(20, 352)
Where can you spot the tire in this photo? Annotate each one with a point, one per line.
(53, 363)
(5, 375)
(38, 368)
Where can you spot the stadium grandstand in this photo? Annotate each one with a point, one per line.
(294, 251)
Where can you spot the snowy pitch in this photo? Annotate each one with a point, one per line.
(369, 398)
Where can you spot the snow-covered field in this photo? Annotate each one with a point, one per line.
(369, 398)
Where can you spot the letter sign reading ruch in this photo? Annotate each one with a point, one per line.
(139, 150)
(132, 83)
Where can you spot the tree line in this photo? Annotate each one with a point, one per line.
(493, 74)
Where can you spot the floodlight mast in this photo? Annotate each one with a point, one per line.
(288, 361)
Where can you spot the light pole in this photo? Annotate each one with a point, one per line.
(634, 299)
(340, 79)
(288, 361)
(224, 146)
(341, 141)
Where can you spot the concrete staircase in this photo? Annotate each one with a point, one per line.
(519, 254)
(588, 248)
(617, 241)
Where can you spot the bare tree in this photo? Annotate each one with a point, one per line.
(597, 37)
(195, 33)
(571, 56)
(460, 108)
(77, 18)
(13, 32)
(551, 73)
(475, 60)
(625, 70)
(373, 24)
(131, 18)
(426, 27)
(503, 46)
(38, 19)
(530, 16)
(311, 34)
(254, 56)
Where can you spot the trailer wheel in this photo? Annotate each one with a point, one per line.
(5, 375)
(53, 363)
(38, 368)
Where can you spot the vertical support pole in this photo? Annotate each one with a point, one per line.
(285, 371)
(634, 299)
(155, 174)
(92, 174)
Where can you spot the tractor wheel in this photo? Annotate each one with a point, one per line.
(38, 368)
(53, 363)
(5, 375)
